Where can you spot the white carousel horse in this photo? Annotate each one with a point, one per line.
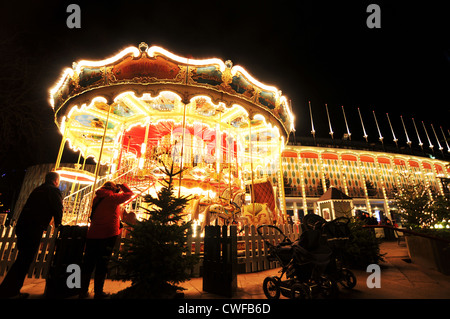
(226, 212)
(198, 206)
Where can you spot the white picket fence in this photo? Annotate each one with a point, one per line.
(252, 250)
(8, 252)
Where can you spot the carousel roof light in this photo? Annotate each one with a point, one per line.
(147, 66)
(75, 175)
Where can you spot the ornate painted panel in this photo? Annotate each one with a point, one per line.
(312, 176)
(388, 175)
(353, 176)
(332, 170)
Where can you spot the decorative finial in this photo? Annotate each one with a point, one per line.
(143, 46)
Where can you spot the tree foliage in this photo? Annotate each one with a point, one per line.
(155, 257)
(363, 247)
(420, 208)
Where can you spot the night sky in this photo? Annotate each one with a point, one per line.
(318, 51)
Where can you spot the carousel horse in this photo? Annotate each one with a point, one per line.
(197, 206)
(227, 209)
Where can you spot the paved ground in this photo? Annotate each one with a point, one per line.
(400, 279)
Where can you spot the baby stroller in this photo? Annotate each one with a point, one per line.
(307, 263)
(337, 234)
(303, 263)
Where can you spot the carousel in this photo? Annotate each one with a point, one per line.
(146, 108)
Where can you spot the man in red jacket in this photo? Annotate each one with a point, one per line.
(102, 235)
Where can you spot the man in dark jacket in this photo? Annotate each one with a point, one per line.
(44, 203)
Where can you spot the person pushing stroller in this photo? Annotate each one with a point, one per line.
(312, 248)
(309, 263)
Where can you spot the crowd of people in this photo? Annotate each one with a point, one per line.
(389, 233)
(372, 220)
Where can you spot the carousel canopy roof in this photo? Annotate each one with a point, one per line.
(151, 85)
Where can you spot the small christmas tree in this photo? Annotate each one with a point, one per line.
(155, 257)
(414, 205)
(363, 247)
(420, 208)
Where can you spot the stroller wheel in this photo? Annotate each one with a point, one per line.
(300, 291)
(347, 279)
(271, 287)
(328, 288)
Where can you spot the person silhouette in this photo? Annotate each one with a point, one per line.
(44, 203)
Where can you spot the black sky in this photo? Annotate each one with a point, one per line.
(318, 51)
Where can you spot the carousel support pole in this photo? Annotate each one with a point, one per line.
(229, 182)
(229, 158)
(74, 206)
(84, 162)
(76, 177)
(61, 149)
(77, 185)
(182, 151)
(76, 195)
(128, 145)
(147, 129)
(251, 163)
(237, 164)
(218, 150)
(281, 182)
(144, 147)
(97, 167)
(119, 161)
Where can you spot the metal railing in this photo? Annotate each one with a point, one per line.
(77, 205)
(407, 231)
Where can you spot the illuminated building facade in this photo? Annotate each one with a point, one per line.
(370, 178)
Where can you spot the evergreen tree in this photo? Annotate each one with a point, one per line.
(420, 210)
(363, 247)
(413, 202)
(155, 257)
